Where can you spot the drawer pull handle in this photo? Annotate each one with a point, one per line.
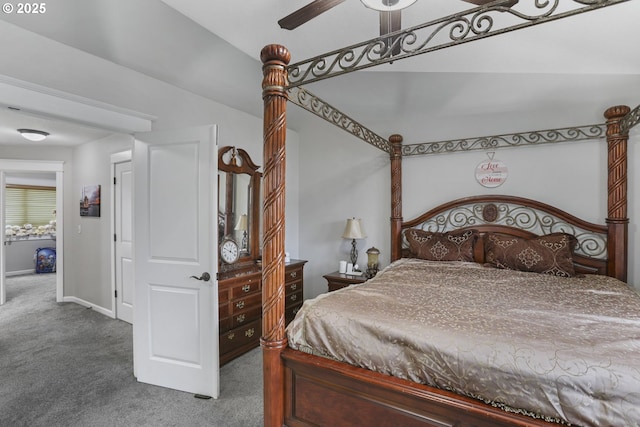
(296, 310)
(249, 332)
(231, 336)
(240, 304)
(246, 288)
(294, 297)
(240, 318)
(294, 286)
(293, 274)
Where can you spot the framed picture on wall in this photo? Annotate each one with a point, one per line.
(90, 201)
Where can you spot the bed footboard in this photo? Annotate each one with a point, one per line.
(322, 392)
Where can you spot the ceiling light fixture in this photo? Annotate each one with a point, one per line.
(33, 135)
(387, 5)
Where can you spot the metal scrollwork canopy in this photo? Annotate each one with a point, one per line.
(485, 21)
(630, 120)
(444, 32)
(305, 99)
(580, 133)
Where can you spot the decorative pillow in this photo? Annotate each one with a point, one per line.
(450, 246)
(549, 254)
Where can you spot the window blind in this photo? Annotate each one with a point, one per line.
(29, 205)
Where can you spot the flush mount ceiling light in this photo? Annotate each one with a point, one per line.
(387, 5)
(33, 135)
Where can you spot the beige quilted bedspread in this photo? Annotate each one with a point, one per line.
(563, 349)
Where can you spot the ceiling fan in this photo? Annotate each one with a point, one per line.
(389, 12)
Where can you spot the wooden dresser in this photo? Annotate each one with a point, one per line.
(240, 307)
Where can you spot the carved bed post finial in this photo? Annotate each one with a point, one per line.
(617, 193)
(396, 197)
(275, 59)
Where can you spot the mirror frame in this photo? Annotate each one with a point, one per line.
(240, 163)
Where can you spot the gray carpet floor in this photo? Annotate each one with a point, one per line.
(62, 364)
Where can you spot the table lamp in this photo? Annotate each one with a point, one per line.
(353, 230)
(242, 226)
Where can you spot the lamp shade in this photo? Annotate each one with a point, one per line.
(33, 135)
(242, 222)
(353, 229)
(387, 5)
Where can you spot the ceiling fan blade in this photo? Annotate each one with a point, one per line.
(307, 13)
(390, 22)
(483, 2)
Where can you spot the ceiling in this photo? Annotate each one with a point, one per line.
(559, 74)
(62, 133)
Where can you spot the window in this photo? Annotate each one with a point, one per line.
(29, 205)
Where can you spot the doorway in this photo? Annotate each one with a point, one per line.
(122, 226)
(55, 168)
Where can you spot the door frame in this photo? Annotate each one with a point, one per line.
(120, 157)
(12, 165)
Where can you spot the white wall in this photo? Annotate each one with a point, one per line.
(89, 239)
(342, 177)
(345, 177)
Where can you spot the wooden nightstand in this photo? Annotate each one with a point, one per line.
(337, 280)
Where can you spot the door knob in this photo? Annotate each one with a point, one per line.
(205, 276)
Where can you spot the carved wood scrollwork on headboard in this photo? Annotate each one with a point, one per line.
(490, 212)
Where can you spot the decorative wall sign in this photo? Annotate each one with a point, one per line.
(90, 201)
(491, 173)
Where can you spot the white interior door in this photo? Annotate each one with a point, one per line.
(123, 188)
(176, 308)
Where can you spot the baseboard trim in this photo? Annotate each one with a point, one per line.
(101, 310)
(19, 272)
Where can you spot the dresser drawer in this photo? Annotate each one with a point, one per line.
(250, 286)
(240, 304)
(238, 337)
(223, 296)
(240, 279)
(293, 287)
(292, 274)
(235, 287)
(243, 317)
(294, 298)
(223, 310)
(224, 324)
(290, 312)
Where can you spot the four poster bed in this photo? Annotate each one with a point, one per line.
(527, 341)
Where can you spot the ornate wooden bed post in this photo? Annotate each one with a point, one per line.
(275, 59)
(617, 193)
(396, 196)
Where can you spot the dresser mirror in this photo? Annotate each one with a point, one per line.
(239, 205)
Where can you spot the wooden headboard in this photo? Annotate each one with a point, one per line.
(519, 217)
